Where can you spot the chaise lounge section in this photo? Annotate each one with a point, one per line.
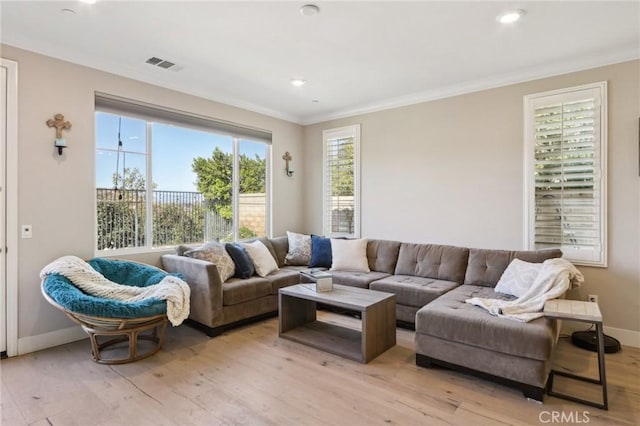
(455, 334)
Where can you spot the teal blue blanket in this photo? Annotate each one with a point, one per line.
(63, 292)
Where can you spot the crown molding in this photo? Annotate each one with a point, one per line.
(564, 67)
(624, 54)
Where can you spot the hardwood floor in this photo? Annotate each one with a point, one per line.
(250, 376)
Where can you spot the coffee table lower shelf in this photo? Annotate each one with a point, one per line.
(298, 321)
(331, 338)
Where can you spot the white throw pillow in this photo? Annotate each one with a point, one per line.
(215, 253)
(263, 261)
(299, 249)
(349, 255)
(518, 277)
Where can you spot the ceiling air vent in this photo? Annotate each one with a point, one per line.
(163, 64)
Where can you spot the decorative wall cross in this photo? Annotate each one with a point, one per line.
(287, 166)
(59, 124)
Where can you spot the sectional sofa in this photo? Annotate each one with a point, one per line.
(431, 283)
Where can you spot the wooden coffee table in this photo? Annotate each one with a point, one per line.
(297, 320)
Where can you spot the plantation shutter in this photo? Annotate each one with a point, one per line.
(567, 132)
(340, 189)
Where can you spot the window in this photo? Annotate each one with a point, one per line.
(341, 191)
(565, 157)
(208, 180)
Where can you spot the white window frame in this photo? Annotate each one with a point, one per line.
(332, 134)
(576, 255)
(200, 124)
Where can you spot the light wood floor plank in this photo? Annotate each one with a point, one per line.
(9, 412)
(250, 376)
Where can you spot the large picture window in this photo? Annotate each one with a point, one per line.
(341, 173)
(165, 178)
(565, 155)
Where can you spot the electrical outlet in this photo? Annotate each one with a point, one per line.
(593, 298)
(27, 231)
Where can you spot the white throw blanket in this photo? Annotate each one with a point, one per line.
(555, 277)
(172, 289)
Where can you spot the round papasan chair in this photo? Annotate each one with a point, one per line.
(114, 320)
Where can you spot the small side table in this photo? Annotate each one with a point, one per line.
(589, 312)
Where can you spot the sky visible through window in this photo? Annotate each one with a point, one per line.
(173, 151)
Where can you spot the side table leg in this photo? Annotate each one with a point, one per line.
(602, 379)
(601, 367)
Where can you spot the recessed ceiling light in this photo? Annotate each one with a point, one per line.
(309, 10)
(511, 16)
(297, 82)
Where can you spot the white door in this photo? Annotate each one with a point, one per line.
(3, 210)
(8, 207)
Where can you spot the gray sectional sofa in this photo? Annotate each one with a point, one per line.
(431, 283)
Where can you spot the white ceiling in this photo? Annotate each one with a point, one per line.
(355, 56)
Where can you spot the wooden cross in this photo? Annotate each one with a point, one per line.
(59, 124)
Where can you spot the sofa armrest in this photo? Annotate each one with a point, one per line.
(206, 288)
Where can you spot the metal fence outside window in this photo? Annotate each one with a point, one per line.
(179, 217)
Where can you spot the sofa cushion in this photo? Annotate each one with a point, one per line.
(215, 253)
(320, 252)
(238, 290)
(182, 249)
(446, 263)
(413, 291)
(280, 246)
(356, 279)
(382, 255)
(283, 277)
(349, 255)
(244, 266)
(299, 249)
(487, 266)
(450, 318)
(537, 256)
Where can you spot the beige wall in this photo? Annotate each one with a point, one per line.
(56, 194)
(450, 171)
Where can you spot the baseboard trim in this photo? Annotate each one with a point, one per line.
(49, 340)
(626, 337)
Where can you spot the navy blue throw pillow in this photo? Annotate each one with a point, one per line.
(244, 265)
(320, 252)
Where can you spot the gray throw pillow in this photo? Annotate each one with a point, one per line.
(215, 253)
(299, 249)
